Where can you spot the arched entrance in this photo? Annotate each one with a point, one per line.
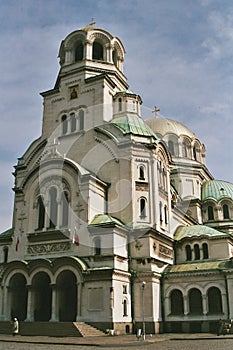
(42, 297)
(18, 297)
(67, 296)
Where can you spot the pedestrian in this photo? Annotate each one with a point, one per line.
(15, 328)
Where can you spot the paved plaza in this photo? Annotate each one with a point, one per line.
(157, 342)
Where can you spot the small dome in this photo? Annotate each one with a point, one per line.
(217, 189)
(163, 126)
(196, 231)
(133, 125)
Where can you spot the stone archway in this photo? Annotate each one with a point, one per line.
(18, 297)
(42, 297)
(67, 296)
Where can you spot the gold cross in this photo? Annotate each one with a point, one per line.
(155, 111)
(92, 22)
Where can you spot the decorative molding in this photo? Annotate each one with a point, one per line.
(48, 248)
(141, 186)
(165, 251)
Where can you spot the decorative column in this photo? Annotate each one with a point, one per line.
(186, 307)
(54, 308)
(204, 304)
(30, 316)
(88, 50)
(79, 301)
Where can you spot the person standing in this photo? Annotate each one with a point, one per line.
(15, 328)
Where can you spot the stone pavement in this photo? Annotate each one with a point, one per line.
(107, 341)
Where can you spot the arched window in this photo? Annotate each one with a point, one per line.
(53, 207)
(214, 300)
(79, 52)
(142, 207)
(171, 147)
(120, 104)
(210, 212)
(176, 302)
(225, 212)
(65, 209)
(98, 52)
(64, 124)
(72, 122)
(41, 213)
(125, 308)
(205, 251)
(188, 251)
(196, 252)
(81, 119)
(97, 246)
(141, 173)
(195, 301)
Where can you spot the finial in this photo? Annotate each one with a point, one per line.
(92, 23)
(155, 111)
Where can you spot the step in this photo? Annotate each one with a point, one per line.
(87, 330)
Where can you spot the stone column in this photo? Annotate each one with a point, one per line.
(30, 316)
(186, 307)
(79, 301)
(54, 311)
(204, 304)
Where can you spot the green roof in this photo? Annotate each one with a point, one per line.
(7, 234)
(197, 231)
(133, 125)
(103, 219)
(217, 189)
(200, 266)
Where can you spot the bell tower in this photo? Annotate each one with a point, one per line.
(90, 75)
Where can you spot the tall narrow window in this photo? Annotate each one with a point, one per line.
(141, 173)
(64, 124)
(142, 207)
(81, 119)
(65, 209)
(171, 147)
(196, 252)
(53, 207)
(165, 214)
(97, 246)
(5, 254)
(79, 52)
(160, 212)
(41, 213)
(225, 212)
(125, 308)
(98, 52)
(214, 300)
(114, 57)
(72, 122)
(194, 153)
(120, 104)
(210, 212)
(188, 251)
(184, 150)
(205, 251)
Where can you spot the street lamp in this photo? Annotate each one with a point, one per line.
(143, 318)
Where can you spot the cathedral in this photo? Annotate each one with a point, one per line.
(117, 221)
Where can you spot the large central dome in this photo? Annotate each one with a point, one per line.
(164, 126)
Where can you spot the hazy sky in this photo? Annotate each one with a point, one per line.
(179, 57)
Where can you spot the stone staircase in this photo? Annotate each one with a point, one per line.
(87, 331)
(53, 329)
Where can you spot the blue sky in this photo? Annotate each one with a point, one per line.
(178, 57)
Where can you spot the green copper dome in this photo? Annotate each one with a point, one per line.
(196, 231)
(217, 189)
(133, 125)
